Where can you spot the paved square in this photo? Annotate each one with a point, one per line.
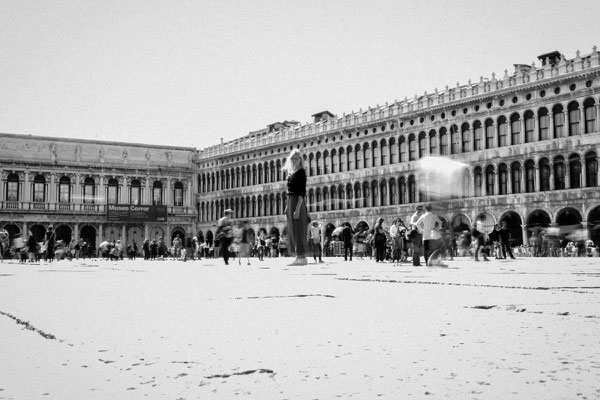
(524, 329)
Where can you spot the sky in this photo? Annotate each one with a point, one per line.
(193, 73)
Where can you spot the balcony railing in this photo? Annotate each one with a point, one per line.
(76, 208)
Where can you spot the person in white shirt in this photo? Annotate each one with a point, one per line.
(416, 236)
(316, 235)
(429, 224)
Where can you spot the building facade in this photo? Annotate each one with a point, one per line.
(529, 141)
(70, 184)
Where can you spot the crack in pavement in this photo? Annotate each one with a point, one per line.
(248, 372)
(283, 297)
(564, 288)
(28, 326)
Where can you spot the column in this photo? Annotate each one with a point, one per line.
(124, 236)
(2, 183)
(550, 125)
(76, 233)
(552, 176)
(597, 121)
(496, 181)
(101, 195)
(567, 126)
(537, 177)
(567, 175)
(189, 195)
(147, 197)
(524, 233)
(581, 120)
(146, 230)
(496, 134)
(583, 172)
(52, 191)
(168, 193)
(25, 234)
(26, 190)
(126, 195)
(522, 123)
(100, 234)
(523, 179)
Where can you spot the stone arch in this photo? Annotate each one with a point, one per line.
(514, 223)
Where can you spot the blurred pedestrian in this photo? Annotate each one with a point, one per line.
(416, 237)
(225, 234)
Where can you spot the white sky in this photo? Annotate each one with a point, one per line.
(191, 72)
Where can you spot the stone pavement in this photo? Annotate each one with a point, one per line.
(522, 329)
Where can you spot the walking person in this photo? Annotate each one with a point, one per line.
(477, 235)
(505, 241)
(296, 213)
(49, 239)
(416, 237)
(397, 231)
(31, 247)
(379, 239)
(246, 242)
(429, 224)
(347, 235)
(316, 238)
(225, 234)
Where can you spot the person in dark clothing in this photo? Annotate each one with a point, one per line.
(347, 235)
(50, 244)
(225, 234)
(31, 247)
(380, 240)
(505, 241)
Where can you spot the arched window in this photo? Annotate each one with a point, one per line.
(157, 193)
(422, 144)
(477, 136)
(412, 189)
(544, 123)
(325, 199)
(515, 177)
(359, 158)
(318, 200)
(349, 196)
(529, 176)
(343, 159)
(64, 190)
(489, 134)
(559, 121)
(260, 174)
(366, 196)
(39, 189)
(503, 179)
(112, 191)
(351, 162)
(575, 171)
(383, 150)
(374, 194)
(455, 144)
(502, 132)
(544, 175)
(393, 191)
(559, 173)
(444, 142)
(178, 194)
(515, 129)
(490, 181)
(591, 169)
(433, 142)
(341, 197)
(135, 192)
(412, 148)
(573, 108)
(403, 149)
(383, 195)
(326, 162)
(376, 154)
(466, 138)
(589, 108)
(393, 151)
(89, 190)
(367, 156)
(402, 190)
(335, 166)
(478, 181)
(529, 127)
(333, 195)
(357, 195)
(13, 187)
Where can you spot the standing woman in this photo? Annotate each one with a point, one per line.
(296, 214)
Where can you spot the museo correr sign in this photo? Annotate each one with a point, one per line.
(131, 213)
